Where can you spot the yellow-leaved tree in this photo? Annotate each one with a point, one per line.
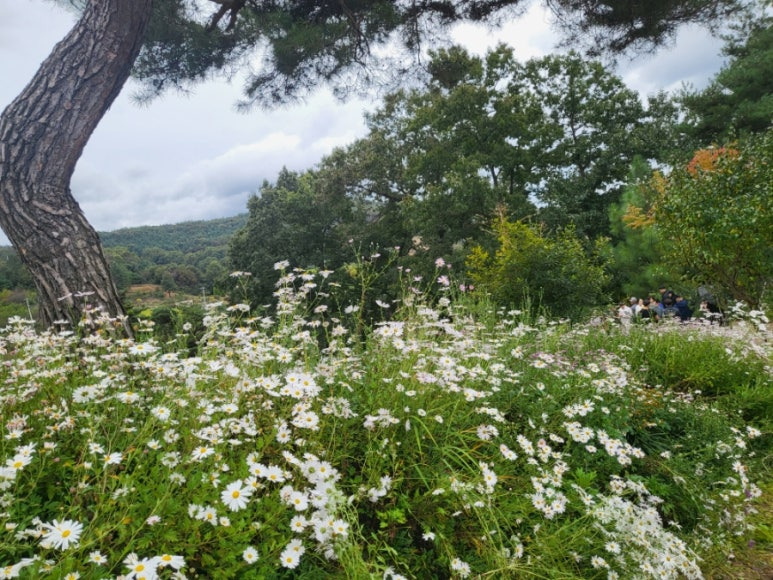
(529, 266)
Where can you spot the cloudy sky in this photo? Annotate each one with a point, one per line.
(194, 157)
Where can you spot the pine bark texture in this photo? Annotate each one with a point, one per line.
(42, 135)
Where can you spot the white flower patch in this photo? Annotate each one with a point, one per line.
(391, 329)
(578, 433)
(383, 418)
(487, 432)
(636, 532)
(621, 450)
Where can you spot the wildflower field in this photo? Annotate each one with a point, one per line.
(449, 441)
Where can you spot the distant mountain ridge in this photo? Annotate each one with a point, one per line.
(186, 237)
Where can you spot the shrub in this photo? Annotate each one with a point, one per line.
(529, 266)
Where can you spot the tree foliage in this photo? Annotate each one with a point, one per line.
(715, 214)
(305, 42)
(184, 256)
(637, 267)
(558, 132)
(530, 266)
(597, 123)
(13, 274)
(291, 219)
(601, 25)
(739, 100)
(187, 237)
(549, 140)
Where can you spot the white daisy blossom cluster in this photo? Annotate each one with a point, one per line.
(149, 568)
(489, 478)
(460, 568)
(382, 418)
(291, 555)
(205, 513)
(392, 329)
(487, 432)
(547, 497)
(579, 433)
(650, 550)
(281, 448)
(375, 493)
(507, 453)
(579, 409)
(621, 450)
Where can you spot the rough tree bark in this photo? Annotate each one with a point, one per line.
(42, 135)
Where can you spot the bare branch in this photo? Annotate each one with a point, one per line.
(226, 6)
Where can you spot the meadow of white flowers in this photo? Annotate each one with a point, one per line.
(436, 445)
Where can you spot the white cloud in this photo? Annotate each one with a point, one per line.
(530, 34)
(326, 144)
(241, 168)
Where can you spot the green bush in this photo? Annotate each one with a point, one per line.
(15, 303)
(555, 272)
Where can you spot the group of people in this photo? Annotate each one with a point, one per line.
(652, 309)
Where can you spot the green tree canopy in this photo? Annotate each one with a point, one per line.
(304, 42)
(596, 120)
(739, 100)
(558, 131)
(715, 217)
(292, 220)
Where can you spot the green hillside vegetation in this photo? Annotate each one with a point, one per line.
(187, 237)
(182, 257)
(178, 257)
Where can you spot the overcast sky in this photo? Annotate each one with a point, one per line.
(195, 157)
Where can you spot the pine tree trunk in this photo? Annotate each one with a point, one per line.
(42, 135)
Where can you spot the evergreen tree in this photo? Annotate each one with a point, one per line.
(739, 100)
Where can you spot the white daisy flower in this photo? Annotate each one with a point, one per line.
(61, 535)
(235, 496)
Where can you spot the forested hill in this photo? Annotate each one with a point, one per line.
(185, 257)
(183, 237)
